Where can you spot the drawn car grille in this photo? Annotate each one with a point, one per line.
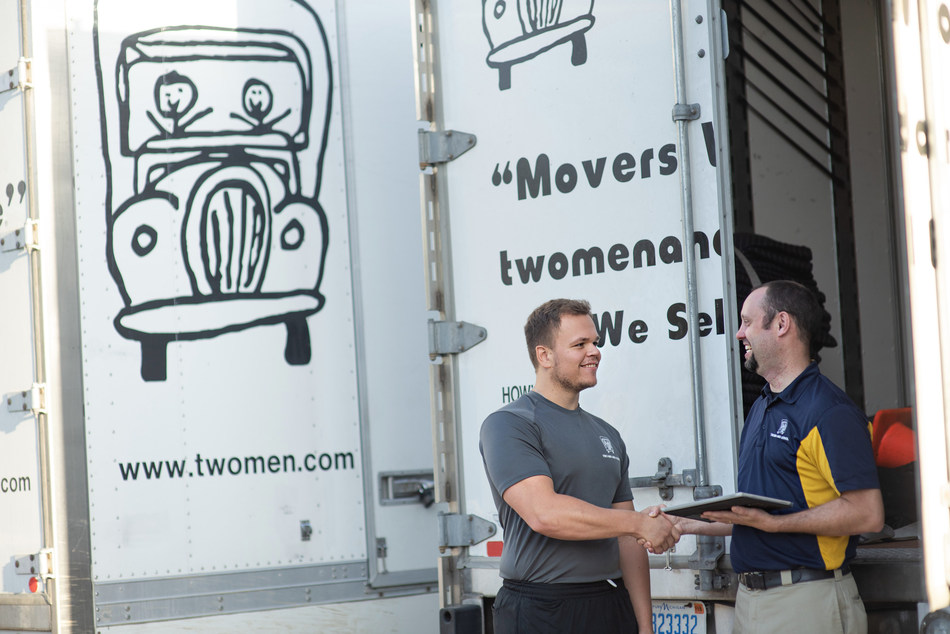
(540, 14)
(234, 234)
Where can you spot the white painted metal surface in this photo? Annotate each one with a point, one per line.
(572, 191)
(214, 467)
(402, 615)
(20, 481)
(922, 40)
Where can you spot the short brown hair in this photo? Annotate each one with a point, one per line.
(800, 303)
(545, 320)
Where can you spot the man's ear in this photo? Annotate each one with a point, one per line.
(783, 323)
(544, 356)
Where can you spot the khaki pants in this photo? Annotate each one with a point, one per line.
(825, 606)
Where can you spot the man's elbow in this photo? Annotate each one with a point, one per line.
(542, 522)
(873, 514)
(875, 520)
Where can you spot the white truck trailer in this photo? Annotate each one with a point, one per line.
(195, 314)
(226, 366)
(658, 159)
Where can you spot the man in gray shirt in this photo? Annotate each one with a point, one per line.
(574, 558)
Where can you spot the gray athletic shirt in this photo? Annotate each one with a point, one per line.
(586, 459)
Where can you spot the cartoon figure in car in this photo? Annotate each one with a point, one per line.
(174, 97)
(214, 224)
(258, 100)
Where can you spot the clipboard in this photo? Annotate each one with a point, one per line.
(693, 510)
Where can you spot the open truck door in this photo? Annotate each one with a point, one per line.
(921, 40)
(575, 150)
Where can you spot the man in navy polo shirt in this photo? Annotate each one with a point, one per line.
(805, 441)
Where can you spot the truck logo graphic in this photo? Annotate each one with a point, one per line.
(519, 30)
(214, 141)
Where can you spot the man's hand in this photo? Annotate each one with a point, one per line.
(688, 526)
(744, 516)
(854, 512)
(657, 533)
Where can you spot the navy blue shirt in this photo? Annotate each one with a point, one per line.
(806, 444)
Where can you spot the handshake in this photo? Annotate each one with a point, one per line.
(656, 531)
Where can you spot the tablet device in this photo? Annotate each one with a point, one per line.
(724, 503)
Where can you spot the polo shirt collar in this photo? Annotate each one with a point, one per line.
(794, 389)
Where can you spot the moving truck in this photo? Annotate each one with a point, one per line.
(660, 159)
(210, 262)
(242, 389)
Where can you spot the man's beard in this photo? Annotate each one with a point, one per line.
(570, 384)
(751, 364)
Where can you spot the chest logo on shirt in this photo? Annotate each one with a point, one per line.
(780, 432)
(609, 448)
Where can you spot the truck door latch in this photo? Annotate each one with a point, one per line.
(664, 479)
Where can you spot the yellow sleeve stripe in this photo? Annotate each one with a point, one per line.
(818, 486)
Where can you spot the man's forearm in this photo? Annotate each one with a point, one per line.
(688, 526)
(569, 518)
(853, 513)
(565, 517)
(635, 566)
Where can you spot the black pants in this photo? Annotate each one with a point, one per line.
(563, 608)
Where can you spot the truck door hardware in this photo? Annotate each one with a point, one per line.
(31, 400)
(456, 531)
(665, 479)
(306, 530)
(709, 549)
(37, 565)
(23, 238)
(443, 146)
(20, 77)
(686, 112)
(452, 337)
(407, 487)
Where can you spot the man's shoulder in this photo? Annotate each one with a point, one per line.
(828, 402)
(600, 422)
(522, 409)
(826, 393)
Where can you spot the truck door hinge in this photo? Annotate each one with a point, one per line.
(443, 146)
(686, 112)
(453, 337)
(664, 479)
(31, 400)
(23, 238)
(38, 565)
(20, 77)
(457, 531)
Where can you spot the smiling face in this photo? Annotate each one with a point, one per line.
(756, 336)
(258, 99)
(174, 95)
(575, 355)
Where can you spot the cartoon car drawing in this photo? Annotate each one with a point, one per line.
(519, 30)
(219, 229)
